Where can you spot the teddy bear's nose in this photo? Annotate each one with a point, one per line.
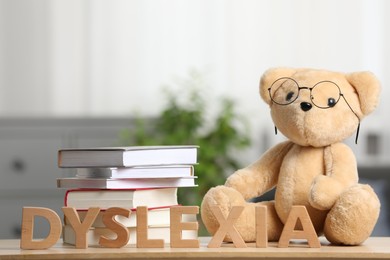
(306, 106)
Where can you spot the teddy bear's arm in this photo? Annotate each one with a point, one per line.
(340, 174)
(262, 175)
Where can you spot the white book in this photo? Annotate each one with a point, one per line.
(100, 183)
(127, 156)
(93, 235)
(130, 199)
(156, 217)
(137, 172)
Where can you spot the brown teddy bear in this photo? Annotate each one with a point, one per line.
(316, 110)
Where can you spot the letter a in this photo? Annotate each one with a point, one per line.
(226, 226)
(308, 232)
(28, 214)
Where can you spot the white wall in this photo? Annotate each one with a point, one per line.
(111, 57)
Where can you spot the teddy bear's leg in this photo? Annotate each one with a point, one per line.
(226, 198)
(353, 217)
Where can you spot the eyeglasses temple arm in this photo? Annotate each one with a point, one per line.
(357, 133)
(358, 128)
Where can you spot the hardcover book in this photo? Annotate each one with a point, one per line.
(101, 183)
(152, 198)
(154, 232)
(137, 172)
(127, 156)
(156, 217)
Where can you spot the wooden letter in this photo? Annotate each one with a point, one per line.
(307, 232)
(177, 227)
(226, 226)
(142, 231)
(261, 227)
(122, 232)
(28, 214)
(80, 229)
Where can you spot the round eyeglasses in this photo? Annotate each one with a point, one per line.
(324, 94)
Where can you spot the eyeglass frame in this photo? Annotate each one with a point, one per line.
(312, 98)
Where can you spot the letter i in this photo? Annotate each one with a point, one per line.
(261, 226)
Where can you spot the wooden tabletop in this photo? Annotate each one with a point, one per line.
(373, 248)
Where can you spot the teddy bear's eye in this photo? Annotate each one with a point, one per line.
(289, 96)
(331, 102)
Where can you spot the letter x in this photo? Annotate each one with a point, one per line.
(226, 226)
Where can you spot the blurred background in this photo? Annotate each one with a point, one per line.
(84, 73)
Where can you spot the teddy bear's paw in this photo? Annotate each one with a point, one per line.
(244, 182)
(324, 192)
(226, 198)
(353, 216)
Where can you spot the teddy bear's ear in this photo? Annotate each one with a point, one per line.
(368, 89)
(269, 77)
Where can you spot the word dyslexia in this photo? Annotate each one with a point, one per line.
(226, 227)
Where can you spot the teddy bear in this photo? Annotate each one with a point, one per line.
(316, 110)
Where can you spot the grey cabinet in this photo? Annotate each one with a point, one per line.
(28, 162)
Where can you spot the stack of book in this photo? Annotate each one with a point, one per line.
(127, 177)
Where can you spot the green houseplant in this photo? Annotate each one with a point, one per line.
(186, 123)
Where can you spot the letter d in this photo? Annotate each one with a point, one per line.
(26, 240)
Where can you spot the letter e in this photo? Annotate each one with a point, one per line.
(177, 227)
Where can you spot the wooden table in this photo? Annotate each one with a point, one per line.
(373, 248)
